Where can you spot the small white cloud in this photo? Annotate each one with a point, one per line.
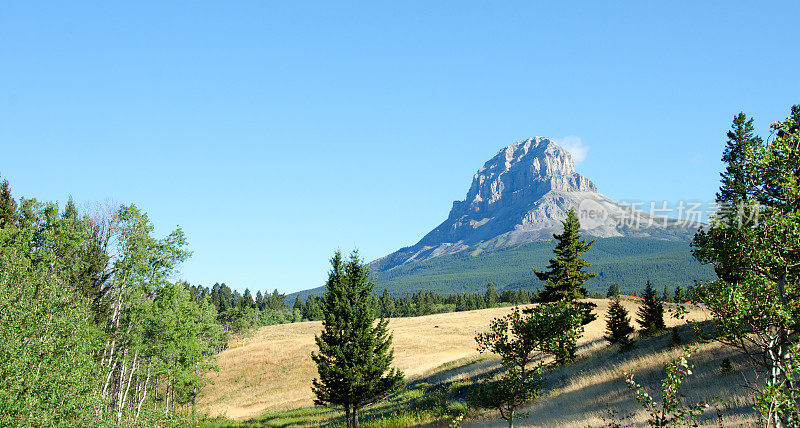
(574, 145)
(697, 159)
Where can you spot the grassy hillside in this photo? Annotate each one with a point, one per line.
(273, 371)
(267, 382)
(629, 262)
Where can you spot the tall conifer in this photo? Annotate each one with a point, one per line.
(355, 355)
(618, 323)
(8, 206)
(565, 275)
(651, 313)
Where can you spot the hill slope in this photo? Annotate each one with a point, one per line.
(273, 373)
(629, 262)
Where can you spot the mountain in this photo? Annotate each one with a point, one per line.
(521, 195)
(504, 227)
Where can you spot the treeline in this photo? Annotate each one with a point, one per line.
(427, 303)
(629, 262)
(94, 329)
(691, 293)
(238, 313)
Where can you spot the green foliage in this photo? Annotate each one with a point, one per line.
(666, 296)
(9, 216)
(492, 298)
(48, 376)
(613, 291)
(92, 333)
(181, 334)
(565, 274)
(511, 390)
(625, 261)
(412, 407)
(753, 243)
(725, 367)
(522, 340)
(780, 400)
(671, 411)
(679, 296)
(651, 313)
(355, 355)
(618, 325)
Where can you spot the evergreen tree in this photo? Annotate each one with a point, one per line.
(388, 307)
(216, 297)
(651, 313)
(613, 291)
(225, 297)
(739, 181)
(247, 299)
(461, 304)
(311, 309)
(276, 300)
(725, 245)
(618, 324)
(355, 355)
(9, 216)
(491, 298)
(260, 301)
(679, 296)
(666, 297)
(565, 276)
(236, 300)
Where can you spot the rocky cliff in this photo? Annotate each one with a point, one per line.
(521, 195)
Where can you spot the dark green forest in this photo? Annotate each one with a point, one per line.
(629, 262)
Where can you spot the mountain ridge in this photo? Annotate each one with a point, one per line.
(504, 227)
(521, 195)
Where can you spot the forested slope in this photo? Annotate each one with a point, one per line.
(629, 262)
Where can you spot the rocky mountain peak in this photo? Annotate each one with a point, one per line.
(522, 194)
(523, 171)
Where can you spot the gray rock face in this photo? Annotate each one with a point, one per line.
(522, 194)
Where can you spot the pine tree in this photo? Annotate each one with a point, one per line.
(492, 297)
(565, 275)
(9, 215)
(651, 313)
(725, 244)
(311, 309)
(260, 301)
(355, 355)
(461, 304)
(739, 181)
(666, 297)
(618, 323)
(247, 299)
(387, 304)
(613, 290)
(679, 296)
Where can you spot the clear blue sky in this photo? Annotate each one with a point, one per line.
(277, 132)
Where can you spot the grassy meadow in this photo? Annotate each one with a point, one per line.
(267, 381)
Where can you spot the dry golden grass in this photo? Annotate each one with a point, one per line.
(578, 395)
(274, 370)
